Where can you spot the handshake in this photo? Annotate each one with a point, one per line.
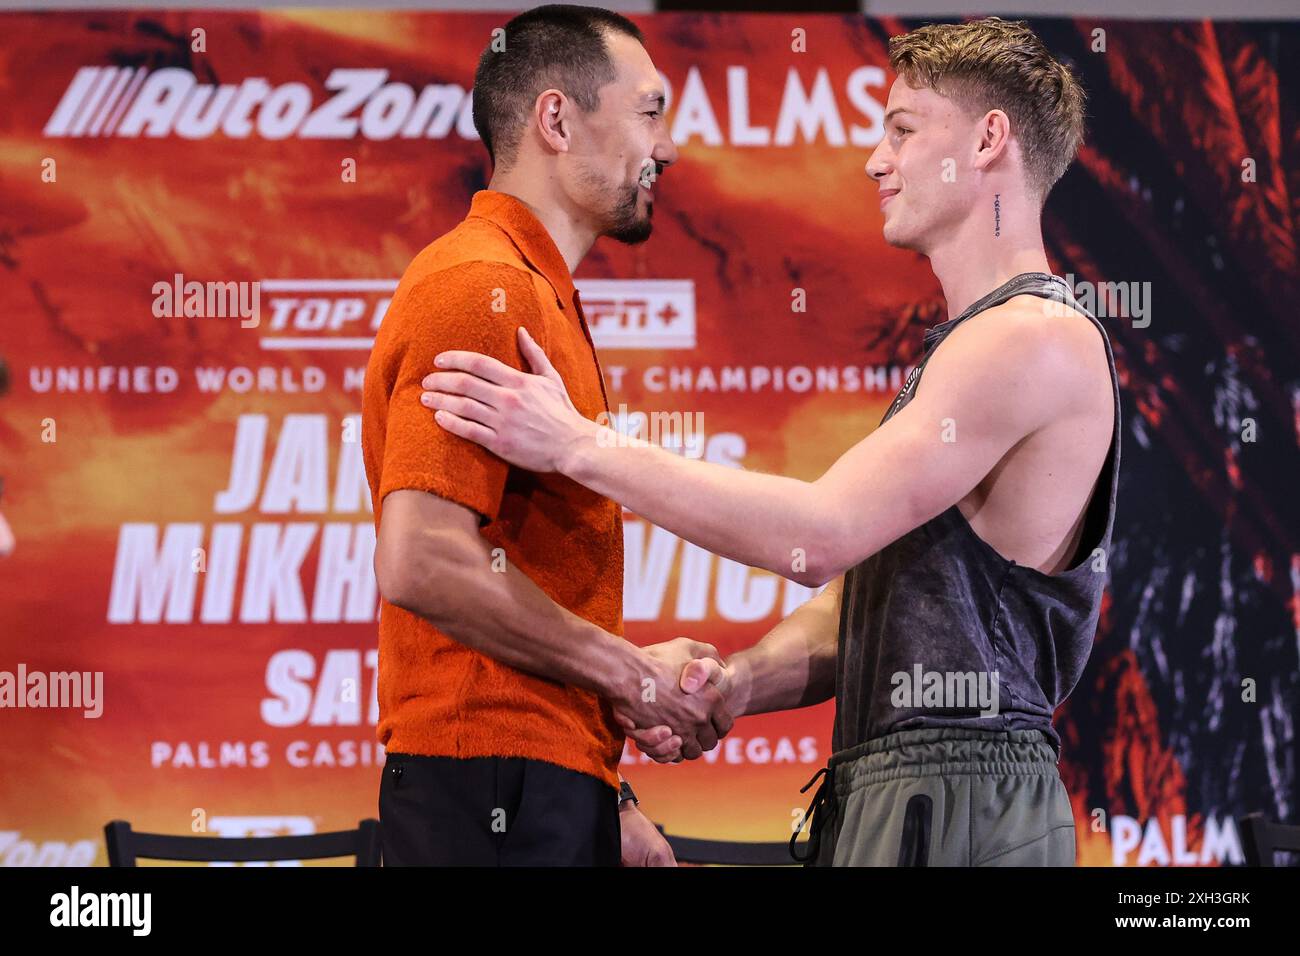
(683, 704)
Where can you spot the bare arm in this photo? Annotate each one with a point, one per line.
(794, 664)
(431, 560)
(925, 459)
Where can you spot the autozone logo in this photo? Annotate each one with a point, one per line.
(15, 851)
(131, 101)
(316, 314)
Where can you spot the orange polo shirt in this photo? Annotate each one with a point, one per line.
(471, 289)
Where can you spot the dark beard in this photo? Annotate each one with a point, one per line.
(627, 227)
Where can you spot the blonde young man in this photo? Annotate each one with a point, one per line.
(963, 540)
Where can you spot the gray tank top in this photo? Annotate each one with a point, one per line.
(945, 609)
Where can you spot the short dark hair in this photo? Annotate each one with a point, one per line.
(558, 45)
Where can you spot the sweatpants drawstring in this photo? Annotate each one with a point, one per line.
(821, 811)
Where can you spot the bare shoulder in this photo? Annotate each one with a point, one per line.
(1023, 364)
(1039, 341)
(1029, 323)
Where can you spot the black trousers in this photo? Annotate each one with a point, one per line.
(495, 811)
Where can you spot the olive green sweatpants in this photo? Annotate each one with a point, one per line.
(945, 797)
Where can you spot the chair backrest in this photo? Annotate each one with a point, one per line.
(1261, 838)
(726, 853)
(125, 846)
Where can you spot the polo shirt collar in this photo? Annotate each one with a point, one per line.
(527, 232)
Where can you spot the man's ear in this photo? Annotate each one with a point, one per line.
(551, 117)
(994, 139)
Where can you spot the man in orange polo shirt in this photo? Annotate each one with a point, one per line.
(501, 654)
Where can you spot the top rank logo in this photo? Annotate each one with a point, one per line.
(129, 101)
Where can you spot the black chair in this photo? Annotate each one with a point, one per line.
(126, 845)
(1261, 838)
(726, 853)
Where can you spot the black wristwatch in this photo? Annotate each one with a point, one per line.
(625, 794)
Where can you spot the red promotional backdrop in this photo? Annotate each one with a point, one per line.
(184, 490)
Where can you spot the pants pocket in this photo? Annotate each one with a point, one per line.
(914, 844)
(511, 788)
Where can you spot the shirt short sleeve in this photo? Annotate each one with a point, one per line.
(475, 306)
